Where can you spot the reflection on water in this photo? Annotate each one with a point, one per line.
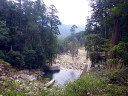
(62, 76)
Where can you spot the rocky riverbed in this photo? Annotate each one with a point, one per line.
(28, 80)
(65, 61)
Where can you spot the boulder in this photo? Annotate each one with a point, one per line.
(31, 78)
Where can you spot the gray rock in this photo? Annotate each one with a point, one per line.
(0, 70)
(31, 78)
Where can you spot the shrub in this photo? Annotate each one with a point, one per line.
(93, 86)
(120, 51)
(30, 59)
(2, 55)
(16, 59)
(3, 62)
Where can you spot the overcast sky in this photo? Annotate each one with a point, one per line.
(71, 11)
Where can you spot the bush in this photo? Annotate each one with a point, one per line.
(30, 59)
(16, 59)
(120, 51)
(93, 86)
(3, 62)
(2, 55)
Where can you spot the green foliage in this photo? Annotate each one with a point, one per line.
(62, 46)
(2, 54)
(93, 45)
(104, 22)
(30, 59)
(85, 85)
(106, 46)
(15, 58)
(3, 62)
(91, 85)
(14, 93)
(121, 53)
(25, 27)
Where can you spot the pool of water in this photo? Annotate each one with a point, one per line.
(62, 76)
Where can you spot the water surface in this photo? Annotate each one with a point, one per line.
(62, 76)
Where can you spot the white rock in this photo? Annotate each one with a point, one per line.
(0, 70)
(17, 81)
(31, 78)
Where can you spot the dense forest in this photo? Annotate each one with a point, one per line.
(106, 33)
(28, 33)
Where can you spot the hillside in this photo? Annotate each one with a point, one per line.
(65, 30)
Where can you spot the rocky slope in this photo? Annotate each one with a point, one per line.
(28, 80)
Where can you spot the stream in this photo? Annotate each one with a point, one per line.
(62, 76)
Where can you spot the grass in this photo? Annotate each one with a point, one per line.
(3, 62)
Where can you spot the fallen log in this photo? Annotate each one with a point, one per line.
(49, 83)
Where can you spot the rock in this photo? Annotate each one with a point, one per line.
(31, 78)
(15, 76)
(45, 88)
(17, 81)
(82, 68)
(1, 73)
(23, 76)
(57, 61)
(0, 70)
(70, 67)
(84, 63)
(1, 82)
(3, 77)
(96, 65)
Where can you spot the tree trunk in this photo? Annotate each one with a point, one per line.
(106, 37)
(25, 43)
(51, 60)
(115, 41)
(106, 33)
(11, 47)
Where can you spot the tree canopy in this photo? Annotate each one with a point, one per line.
(28, 33)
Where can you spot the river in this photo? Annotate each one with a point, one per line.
(62, 76)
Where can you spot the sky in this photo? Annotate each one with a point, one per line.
(71, 12)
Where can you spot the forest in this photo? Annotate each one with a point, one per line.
(29, 40)
(105, 37)
(28, 33)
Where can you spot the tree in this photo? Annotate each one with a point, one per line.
(74, 47)
(74, 42)
(28, 30)
(93, 46)
(72, 30)
(109, 20)
(53, 21)
(4, 35)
